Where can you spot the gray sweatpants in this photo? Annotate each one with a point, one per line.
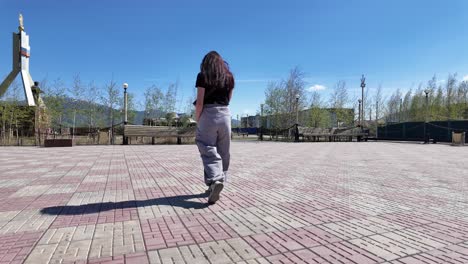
(213, 139)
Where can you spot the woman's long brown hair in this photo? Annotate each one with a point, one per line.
(216, 71)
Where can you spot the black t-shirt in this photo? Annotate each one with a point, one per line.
(213, 95)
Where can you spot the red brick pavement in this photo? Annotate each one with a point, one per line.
(284, 203)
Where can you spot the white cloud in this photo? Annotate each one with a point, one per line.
(465, 78)
(316, 87)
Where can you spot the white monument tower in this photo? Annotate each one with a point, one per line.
(21, 53)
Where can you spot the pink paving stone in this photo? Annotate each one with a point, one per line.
(6, 192)
(415, 260)
(315, 183)
(206, 227)
(119, 185)
(302, 256)
(91, 187)
(172, 191)
(69, 179)
(117, 215)
(165, 232)
(44, 181)
(148, 193)
(75, 220)
(16, 247)
(135, 258)
(16, 203)
(48, 200)
(345, 252)
(283, 259)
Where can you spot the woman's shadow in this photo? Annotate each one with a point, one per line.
(177, 201)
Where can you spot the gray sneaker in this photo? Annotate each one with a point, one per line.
(216, 189)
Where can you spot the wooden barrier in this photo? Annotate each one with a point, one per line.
(159, 132)
(58, 143)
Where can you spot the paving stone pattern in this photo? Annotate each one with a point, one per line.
(372, 202)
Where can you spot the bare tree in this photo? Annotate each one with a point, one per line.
(169, 102)
(378, 102)
(450, 95)
(275, 96)
(189, 107)
(79, 96)
(111, 99)
(339, 99)
(463, 99)
(368, 104)
(294, 88)
(393, 107)
(54, 99)
(318, 115)
(405, 107)
(153, 102)
(93, 108)
(131, 107)
(14, 113)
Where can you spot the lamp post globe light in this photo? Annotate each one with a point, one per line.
(125, 86)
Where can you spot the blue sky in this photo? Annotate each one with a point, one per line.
(396, 43)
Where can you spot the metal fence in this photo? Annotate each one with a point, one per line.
(440, 131)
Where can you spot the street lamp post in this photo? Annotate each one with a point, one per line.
(401, 105)
(377, 119)
(74, 120)
(363, 84)
(125, 86)
(296, 138)
(261, 121)
(297, 108)
(426, 139)
(239, 124)
(359, 113)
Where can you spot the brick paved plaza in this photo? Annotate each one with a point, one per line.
(368, 202)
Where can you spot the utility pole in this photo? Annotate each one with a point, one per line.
(377, 119)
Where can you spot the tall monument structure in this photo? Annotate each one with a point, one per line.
(21, 54)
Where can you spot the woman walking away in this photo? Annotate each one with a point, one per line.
(215, 83)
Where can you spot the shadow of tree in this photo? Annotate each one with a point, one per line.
(177, 201)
